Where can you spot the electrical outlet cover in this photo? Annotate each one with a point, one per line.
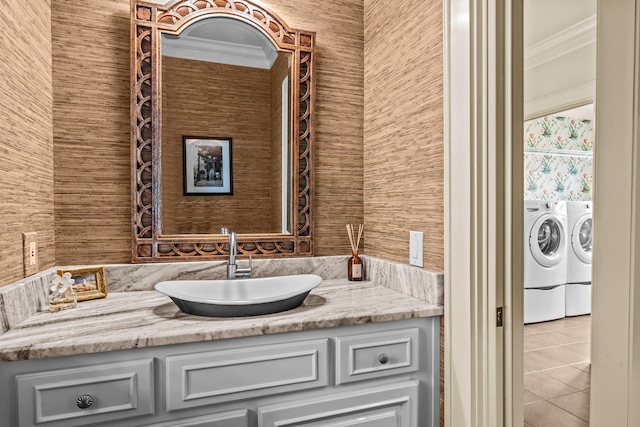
(30, 253)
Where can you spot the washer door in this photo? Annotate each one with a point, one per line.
(582, 238)
(547, 240)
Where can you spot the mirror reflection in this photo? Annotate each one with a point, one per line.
(225, 130)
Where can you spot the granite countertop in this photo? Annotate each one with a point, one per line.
(135, 319)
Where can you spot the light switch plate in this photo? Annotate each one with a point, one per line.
(416, 248)
(30, 253)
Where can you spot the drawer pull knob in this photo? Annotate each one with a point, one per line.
(84, 401)
(383, 358)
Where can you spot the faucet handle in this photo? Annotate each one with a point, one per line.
(224, 230)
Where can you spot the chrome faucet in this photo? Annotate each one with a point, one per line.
(233, 272)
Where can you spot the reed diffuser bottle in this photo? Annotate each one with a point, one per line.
(354, 265)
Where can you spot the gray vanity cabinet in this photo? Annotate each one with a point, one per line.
(373, 375)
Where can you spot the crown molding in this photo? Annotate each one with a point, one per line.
(572, 97)
(559, 44)
(216, 51)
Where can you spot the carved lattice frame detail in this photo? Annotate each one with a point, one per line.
(148, 20)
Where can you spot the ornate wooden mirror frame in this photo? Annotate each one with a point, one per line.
(148, 20)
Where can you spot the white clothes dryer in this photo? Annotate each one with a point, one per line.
(579, 217)
(578, 289)
(545, 260)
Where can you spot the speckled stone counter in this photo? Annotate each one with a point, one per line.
(126, 320)
(134, 315)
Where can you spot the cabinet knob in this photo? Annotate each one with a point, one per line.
(84, 401)
(383, 358)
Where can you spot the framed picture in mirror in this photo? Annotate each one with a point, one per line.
(207, 166)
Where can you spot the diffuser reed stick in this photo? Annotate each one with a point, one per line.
(355, 244)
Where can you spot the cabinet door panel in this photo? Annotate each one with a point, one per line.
(392, 405)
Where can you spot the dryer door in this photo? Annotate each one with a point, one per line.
(547, 240)
(581, 238)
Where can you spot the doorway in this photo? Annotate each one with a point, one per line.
(484, 181)
(559, 87)
(557, 297)
(558, 182)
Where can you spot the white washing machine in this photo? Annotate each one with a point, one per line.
(545, 260)
(578, 288)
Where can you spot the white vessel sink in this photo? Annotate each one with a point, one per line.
(240, 297)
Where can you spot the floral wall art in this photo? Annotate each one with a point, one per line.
(558, 159)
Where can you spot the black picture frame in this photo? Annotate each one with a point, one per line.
(207, 166)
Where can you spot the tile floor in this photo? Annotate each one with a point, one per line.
(557, 372)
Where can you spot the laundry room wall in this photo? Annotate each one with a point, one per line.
(558, 159)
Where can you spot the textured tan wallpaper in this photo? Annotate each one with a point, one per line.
(26, 141)
(403, 129)
(338, 161)
(403, 137)
(199, 99)
(403, 142)
(92, 130)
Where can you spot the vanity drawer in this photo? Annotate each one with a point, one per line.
(375, 355)
(115, 391)
(220, 376)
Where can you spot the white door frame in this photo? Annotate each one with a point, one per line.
(483, 246)
(483, 215)
(615, 331)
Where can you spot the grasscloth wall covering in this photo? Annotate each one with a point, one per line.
(90, 51)
(92, 131)
(338, 157)
(403, 122)
(91, 136)
(26, 142)
(403, 134)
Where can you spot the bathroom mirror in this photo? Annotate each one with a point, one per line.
(234, 84)
(222, 119)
